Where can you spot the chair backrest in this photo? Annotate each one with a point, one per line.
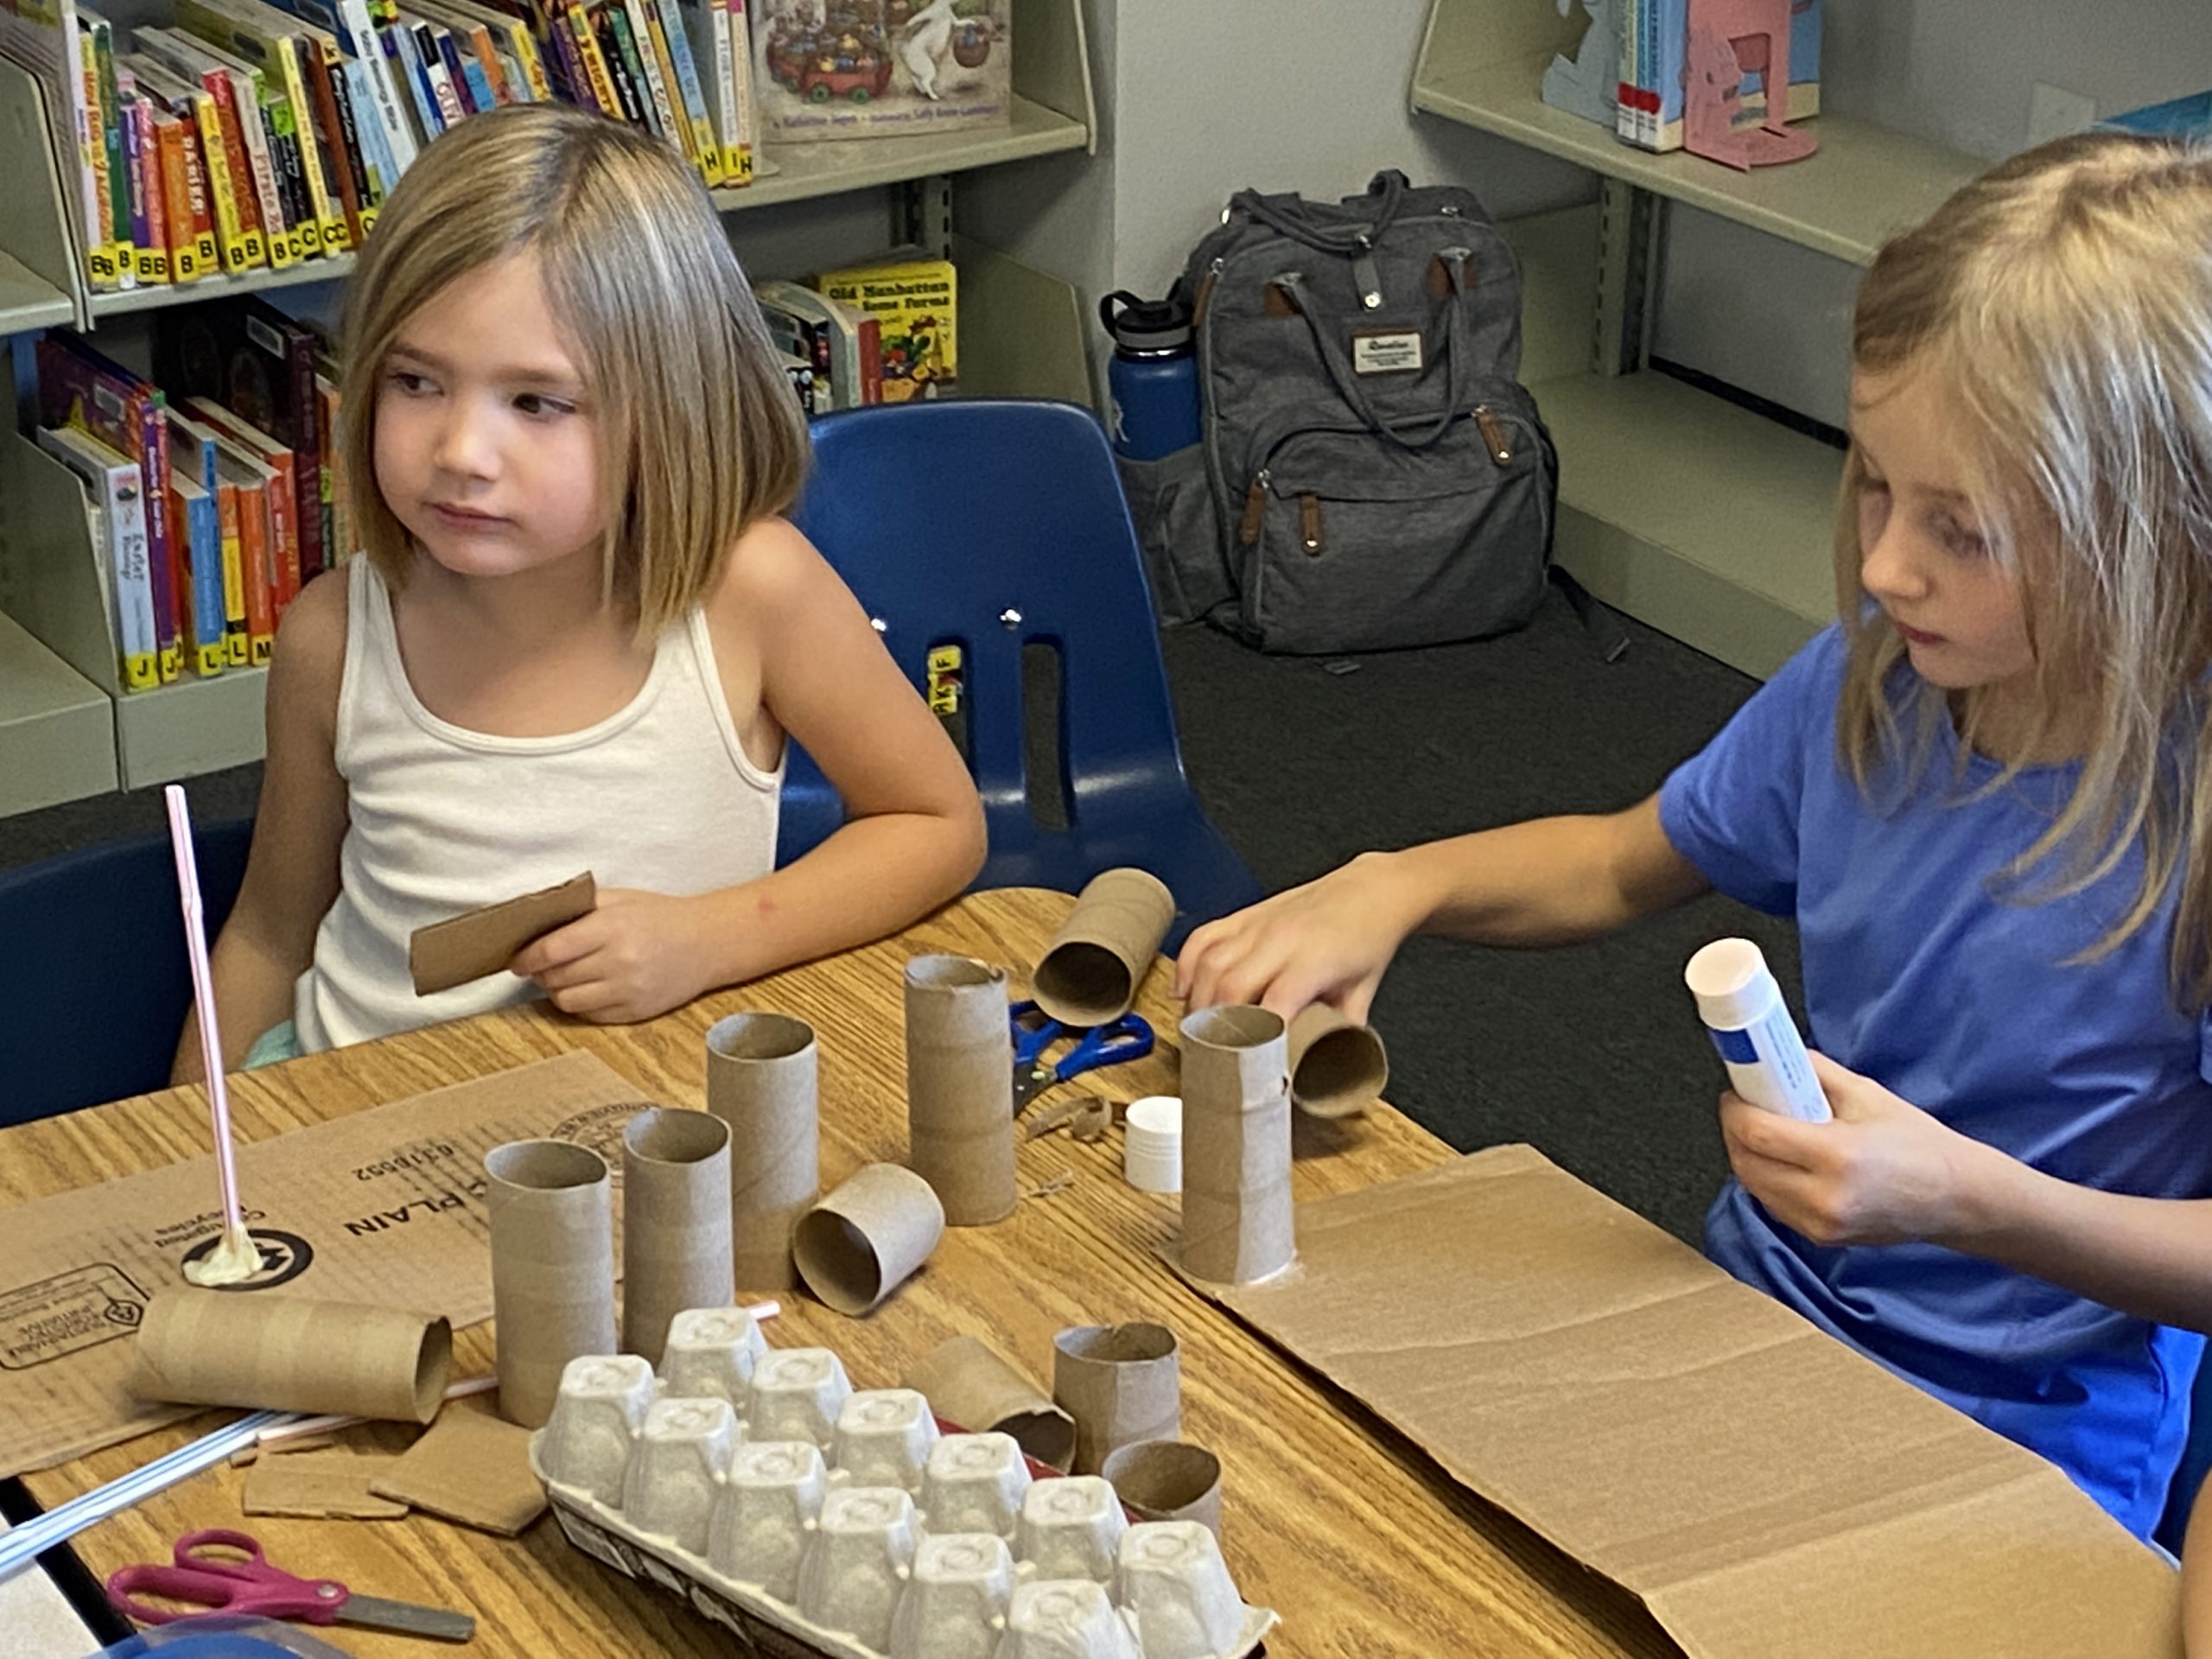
(94, 984)
(996, 526)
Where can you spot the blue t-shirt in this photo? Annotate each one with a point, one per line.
(1953, 995)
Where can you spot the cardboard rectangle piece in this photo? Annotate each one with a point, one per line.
(320, 1485)
(1768, 1493)
(383, 1206)
(480, 942)
(471, 1467)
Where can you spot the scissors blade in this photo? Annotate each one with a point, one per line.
(1029, 1082)
(375, 1613)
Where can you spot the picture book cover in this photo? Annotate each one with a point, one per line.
(874, 68)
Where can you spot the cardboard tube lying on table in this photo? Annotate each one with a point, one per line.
(287, 1353)
(1336, 1068)
(676, 1251)
(552, 1267)
(960, 1087)
(970, 1382)
(1237, 1222)
(861, 1242)
(1167, 1480)
(763, 1079)
(1122, 1383)
(1089, 973)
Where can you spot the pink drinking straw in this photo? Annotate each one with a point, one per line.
(203, 996)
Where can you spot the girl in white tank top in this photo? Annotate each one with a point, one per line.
(579, 633)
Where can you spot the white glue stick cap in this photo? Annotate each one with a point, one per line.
(1729, 979)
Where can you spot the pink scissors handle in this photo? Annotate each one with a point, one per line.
(220, 1584)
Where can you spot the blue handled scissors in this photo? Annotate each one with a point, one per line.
(1128, 1038)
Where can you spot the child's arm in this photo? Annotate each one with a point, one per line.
(1548, 881)
(292, 875)
(1884, 1171)
(2197, 1577)
(913, 836)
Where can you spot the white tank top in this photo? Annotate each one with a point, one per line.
(658, 796)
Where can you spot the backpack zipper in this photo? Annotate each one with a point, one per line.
(1309, 524)
(1256, 509)
(1493, 434)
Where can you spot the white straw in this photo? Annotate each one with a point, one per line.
(20, 1544)
(292, 1431)
(203, 995)
(765, 1310)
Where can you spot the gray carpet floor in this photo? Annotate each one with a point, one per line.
(1591, 1053)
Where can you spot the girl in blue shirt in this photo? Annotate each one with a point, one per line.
(1985, 796)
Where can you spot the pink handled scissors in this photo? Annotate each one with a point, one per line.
(247, 1584)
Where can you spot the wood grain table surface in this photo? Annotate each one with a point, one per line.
(1364, 1548)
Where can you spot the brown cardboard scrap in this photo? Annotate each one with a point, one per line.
(247, 1456)
(1768, 1493)
(552, 1206)
(290, 1353)
(469, 1467)
(960, 1087)
(1238, 1223)
(1336, 1068)
(970, 1382)
(386, 1205)
(480, 942)
(763, 1078)
(320, 1485)
(1089, 973)
(1122, 1383)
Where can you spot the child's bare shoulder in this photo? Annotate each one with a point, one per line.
(773, 576)
(311, 637)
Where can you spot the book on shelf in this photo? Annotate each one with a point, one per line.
(44, 39)
(844, 343)
(829, 69)
(1655, 60)
(196, 543)
(915, 305)
(250, 481)
(285, 521)
(116, 515)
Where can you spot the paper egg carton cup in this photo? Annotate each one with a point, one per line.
(757, 1485)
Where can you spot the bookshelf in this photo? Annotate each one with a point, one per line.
(1692, 514)
(67, 729)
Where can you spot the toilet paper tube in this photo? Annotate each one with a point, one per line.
(763, 1072)
(552, 1267)
(1122, 1383)
(287, 1353)
(970, 1382)
(1237, 1220)
(1167, 1480)
(1089, 973)
(1336, 1068)
(676, 1221)
(960, 1087)
(861, 1242)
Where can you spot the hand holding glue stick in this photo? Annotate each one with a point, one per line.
(1744, 1012)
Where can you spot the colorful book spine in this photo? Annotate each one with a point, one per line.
(633, 64)
(746, 115)
(134, 171)
(399, 45)
(116, 487)
(237, 648)
(200, 543)
(152, 253)
(597, 71)
(104, 181)
(704, 148)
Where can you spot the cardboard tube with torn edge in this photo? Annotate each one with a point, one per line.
(552, 1267)
(862, 1240)
(970, 1382)
(763, 1079)
(1238, 1225)
(676, 1252)
(1336, 1068)
(287, 1353)
(960, 1087)
(1122, 1383)
(1089, 973)
(1167, 1480)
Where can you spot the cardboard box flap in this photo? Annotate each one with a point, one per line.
(1768, 1492)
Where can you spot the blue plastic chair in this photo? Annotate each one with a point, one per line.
(995, 525)
(94, 986)
(2196, 1460)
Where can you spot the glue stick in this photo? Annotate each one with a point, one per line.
(1744, 1013)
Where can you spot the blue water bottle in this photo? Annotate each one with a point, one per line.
(1153, 378)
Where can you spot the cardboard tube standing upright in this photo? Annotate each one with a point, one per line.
(552, 1267)
(287, 1353)
(1122, 1383)
(763, 1074)
(1237, 1221)
(860, 1244)
(1336, 1068)
(1089, 973)
(960, 1087)
(970, 1382)
(676, 1251)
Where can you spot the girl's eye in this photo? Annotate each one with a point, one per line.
(408, 382)
(1967, 543)
(538, 405)
(1872, 487)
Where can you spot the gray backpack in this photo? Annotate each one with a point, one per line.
(1378, 476)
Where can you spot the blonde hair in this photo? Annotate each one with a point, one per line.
(2065, 300)
(699, 435)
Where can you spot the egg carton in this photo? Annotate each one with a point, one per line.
(814, 1521)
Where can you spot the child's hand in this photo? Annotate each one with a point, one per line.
(1329, 941)
(1883, 1172)
(637, 955)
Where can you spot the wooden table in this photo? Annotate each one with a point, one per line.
(1345, 1529)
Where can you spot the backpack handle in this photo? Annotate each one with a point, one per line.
(1292, 284)
(1389, 184)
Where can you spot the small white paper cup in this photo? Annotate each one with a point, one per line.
(1152, 1144)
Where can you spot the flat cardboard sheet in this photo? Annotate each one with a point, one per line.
(470, 1467)
(1768, 1493)
(383, 1206)
(480, 942)
(320, 1485)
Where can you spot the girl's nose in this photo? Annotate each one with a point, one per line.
(465, 447)
(1889, 566)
